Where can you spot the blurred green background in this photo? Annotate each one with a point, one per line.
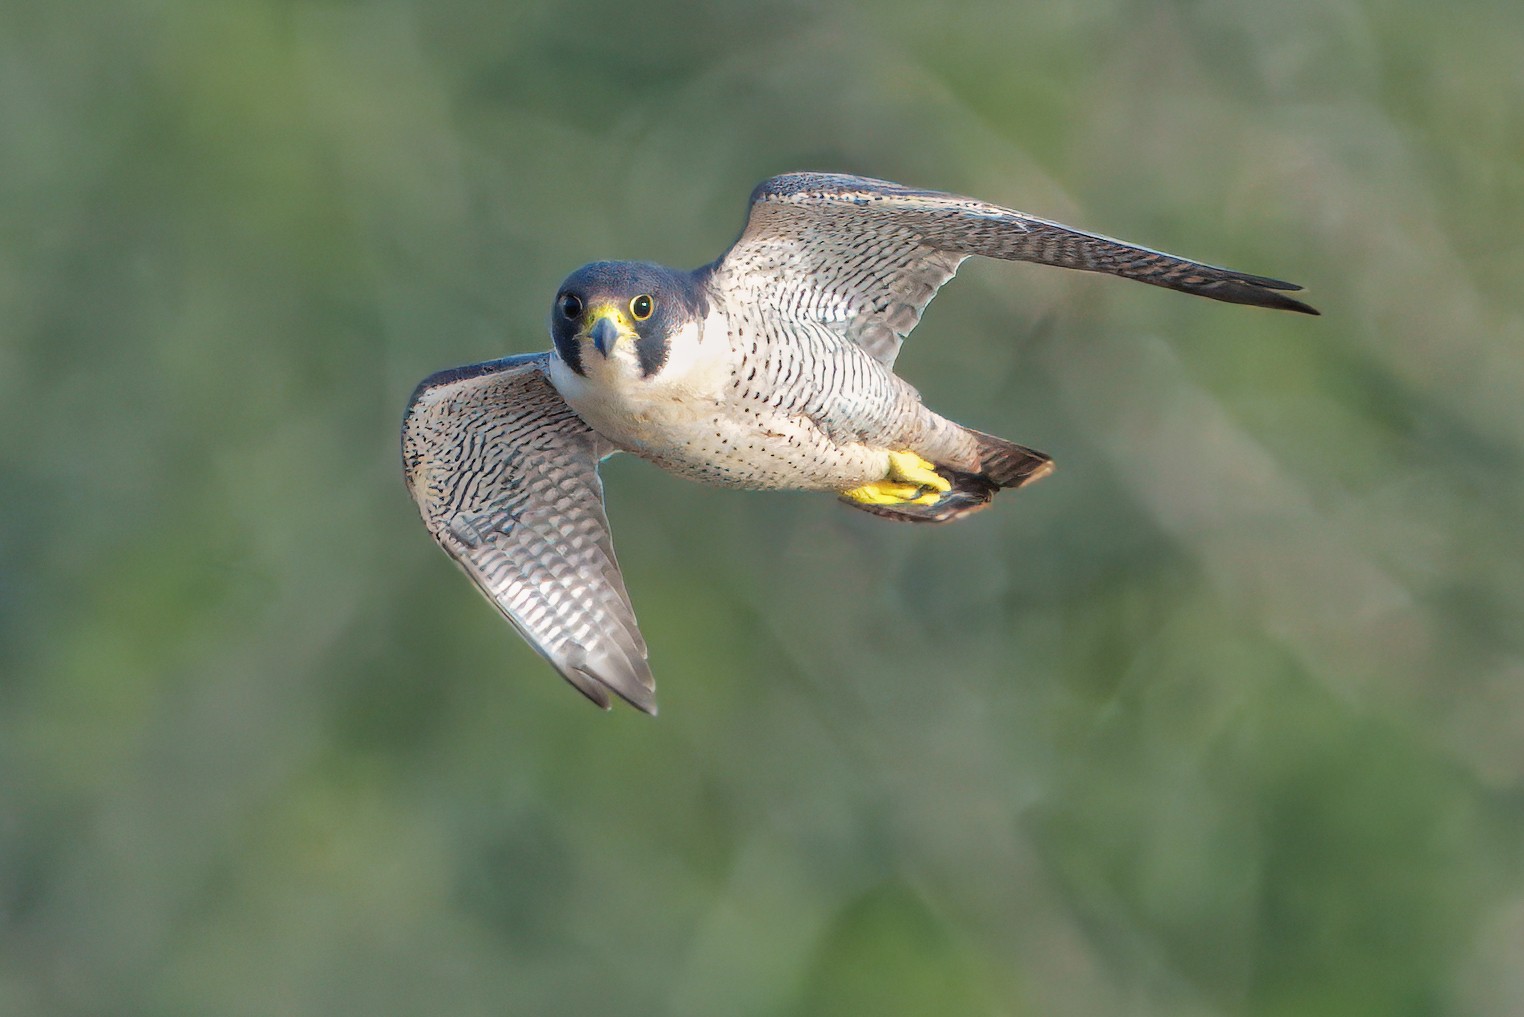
(1227, 717)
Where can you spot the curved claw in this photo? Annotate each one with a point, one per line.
(909, 468)
(911, 480)
(887, 492)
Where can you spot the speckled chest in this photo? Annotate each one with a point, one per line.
(737, 405)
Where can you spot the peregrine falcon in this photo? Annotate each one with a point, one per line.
(770, 368)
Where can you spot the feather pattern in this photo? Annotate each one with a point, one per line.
(506, 478)
(864, 257)
(772, 367)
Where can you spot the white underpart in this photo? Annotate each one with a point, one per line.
(651, 416)
(736, 407)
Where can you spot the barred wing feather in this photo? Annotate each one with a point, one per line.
(506, 478)
(866, 256)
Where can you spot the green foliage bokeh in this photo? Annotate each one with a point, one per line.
(1224, 718)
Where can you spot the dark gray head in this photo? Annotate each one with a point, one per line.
(608, 302)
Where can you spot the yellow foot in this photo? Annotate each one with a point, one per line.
(909, 468)
(912, 480)
(887, 492)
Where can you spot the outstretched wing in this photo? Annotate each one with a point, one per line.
(506, 478)
(866, 256)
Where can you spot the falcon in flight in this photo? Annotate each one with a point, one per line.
(770, 368)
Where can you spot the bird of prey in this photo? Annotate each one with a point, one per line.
(770, 368)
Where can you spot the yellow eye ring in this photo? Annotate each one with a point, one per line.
(642, 306)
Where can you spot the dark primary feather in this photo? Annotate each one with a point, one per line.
(506, 478)
(866, 256)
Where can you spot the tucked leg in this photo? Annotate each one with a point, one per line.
(909, 468)
(911, 480)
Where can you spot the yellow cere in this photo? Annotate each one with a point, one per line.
(614, 311)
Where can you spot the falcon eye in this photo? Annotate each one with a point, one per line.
(571, 306)
(641, 307)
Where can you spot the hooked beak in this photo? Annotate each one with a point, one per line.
(604, 333)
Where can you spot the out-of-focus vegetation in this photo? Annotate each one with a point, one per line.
(1227, 717)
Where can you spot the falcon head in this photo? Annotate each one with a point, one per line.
(624, 316)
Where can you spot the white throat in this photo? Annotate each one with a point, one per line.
(617, 400)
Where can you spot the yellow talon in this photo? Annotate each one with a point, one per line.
(912, 480)
(910, 468)
(887, 492)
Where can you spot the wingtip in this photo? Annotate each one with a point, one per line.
(1281, 302)
(589, 685)
(1264, 291)
(1273, 295)
(640, 695)
(1257, 291)
(644, 700)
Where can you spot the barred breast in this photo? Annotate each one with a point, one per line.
(747, 402)
(804, 410)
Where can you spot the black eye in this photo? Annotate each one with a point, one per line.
(571, 305)
(641, 307)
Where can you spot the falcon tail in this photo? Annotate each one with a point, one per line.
(1002, 464)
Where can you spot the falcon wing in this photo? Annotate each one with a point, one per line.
(506, 478)
(866, 256)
